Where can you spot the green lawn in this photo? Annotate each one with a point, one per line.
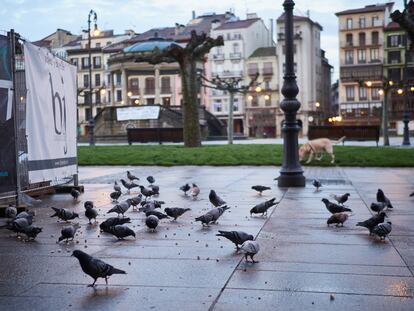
(236, 155)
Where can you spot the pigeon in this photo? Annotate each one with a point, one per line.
(148, 206)
(335, 208)
(121, 207)
(155, 189)
(151, 179)
(94, 267)
(260, 189)
(212, 215)
(250, 248)
(121, 231)
(131, 177)
(146, 192)
(10, 212)
(88, 204)
(18, 225)
(68, 233)
(185, 188)
(338, 219)
(373, 221)
(377, 207)
(341, 199)
(215, 199)
(31, 231)
(412, 194)
(195, 191)
(128, 185)
(156, 213)
(27, 215)
(117, 188)
(382, 230)
(90, 212)
(64, 214)
(75, 193)
(152, 222)
(237, 237)
(383, 199)
(113, 221)
(175, 212)
(317, 184)
(115, 195)
(136, 200)
(263, 207)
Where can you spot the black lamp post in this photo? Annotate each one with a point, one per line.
(91, 122)
(291, 173)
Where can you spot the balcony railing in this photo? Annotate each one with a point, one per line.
(218, 56)
(267, 71)
(149, 91)
(227, 74)
(235, 55)
(166, 90)
(252, 71)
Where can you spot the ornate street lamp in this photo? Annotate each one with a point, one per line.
(291, 173)
(91, 122)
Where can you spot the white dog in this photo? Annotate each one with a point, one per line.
(316, 147)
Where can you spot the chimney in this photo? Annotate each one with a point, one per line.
(178, 29)
(271, 32)
(251, 15)
(193, 14)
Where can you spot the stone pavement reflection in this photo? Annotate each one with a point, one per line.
(184, 266)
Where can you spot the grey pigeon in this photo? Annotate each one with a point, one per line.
(94, 267)
(151, 179)
(155, 189)
(382, 230)
(121, 207)
(381, 197)
(113, 221)
(31, 231)
(373, 221)
(64, 214)
(175, 212)
(338, 219)
(156, 203)
(156, 213)
(212, 215)
(27, 215)
(237, 237)
(335, 208)
(250, 248)
(377, 207)
(341, 199)
(131, 177)
(317, 184)
(152, 222)
(215, 199)
(117, 188)
(185, 188)
(68, 232)
(135, 201)
(75, 193)
(90, 212)
(18, 225)
(146, 192)
(115, 195)
(121, 231)
(10, 212)
(263, 207)
(128, 185)
(147, 207)
(260, 188)
(195, 191)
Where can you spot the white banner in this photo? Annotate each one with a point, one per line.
(138, 113)
(50, 115)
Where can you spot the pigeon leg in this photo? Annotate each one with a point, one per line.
(245, 257)
(93, 284)
(251, 256)
(106, 280)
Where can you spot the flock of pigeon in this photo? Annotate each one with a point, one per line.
(146, 203)
(376, 224)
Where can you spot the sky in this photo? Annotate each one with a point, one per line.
(35, 19)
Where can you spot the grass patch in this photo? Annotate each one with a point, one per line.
(225, 155)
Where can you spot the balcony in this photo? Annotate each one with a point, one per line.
(268, 71)
(227, 74)
(235, 55)
(149, 91)
(252, 71)
(166, 90)
(218, 56)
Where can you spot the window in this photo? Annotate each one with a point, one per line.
(253, 69)
(362, 22)
(394, 57)
(374, 37)
(394, 40)
(349, 57)
(86, 80)
(374, 55)
(109, 96)
(97, 79)
(236, 104)
(149, 86)
(217, 106)
(375, 93)
(268, 100)
(165, 85)
(88, 114)
(349, 23)
(361, 38)
(118, 79)
(362, 93)
(150, 101)
(97, 97)
(361, 56)
(85, 62)
(97, 62)
(294, 49)
(108, 43)
(97, 44)
(349, 93)
(108, 77)
(236, 48)
(88, 98)
(375, 21)
(134, 86)
(166, 101)
(118, 95)
(74, 61)
(349, 39)
(394, 74)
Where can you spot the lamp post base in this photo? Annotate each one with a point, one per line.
(295, 179)
(406, 135)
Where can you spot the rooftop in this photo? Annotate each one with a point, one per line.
(297, 18)
(238, 24)
(150, 45)
(368, 8)
(263, 52)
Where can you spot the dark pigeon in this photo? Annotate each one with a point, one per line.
(156, 213)
(18, 225)
(27, 215)
(215, 199)
(88, 204)
(131, 177)
(64, 214)
(75, 193)
(10, 212)
(260, 189)
(263, 207)
(412, 194)
(90, 213)
(373, 221)
(94, 267)
(175, 212)
(128, 185)
(152, 222)
(68, 233)
(377, 207)
(317, 184)
(113, 221)
(335, 208)
(338, 219)
(381, 197)
(155, 189)
(237, 237)
(341, 199)
(147, 207)
(382, 230)
(185, 188)
(250, 248)
(212, 215)
(135, 201)
(121, 231)
(151, 179)
(115, 195)
(146, 192)
(31, 231)
(121, 207)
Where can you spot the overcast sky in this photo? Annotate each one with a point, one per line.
(35, 19)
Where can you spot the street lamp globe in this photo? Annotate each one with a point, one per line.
(250, 97)
(330, 120)
(339, 118)
(412, 89)
(368, 83)
(258, 89)
(400, 91)
(267, 97)
(317, 104)
(381, 92)
(129, 94)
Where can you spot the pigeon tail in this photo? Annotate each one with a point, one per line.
(117, 271)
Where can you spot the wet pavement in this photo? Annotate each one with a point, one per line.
(303, 264)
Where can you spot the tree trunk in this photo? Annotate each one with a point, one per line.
(192, 135)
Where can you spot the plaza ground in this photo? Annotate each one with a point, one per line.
(303, 264)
